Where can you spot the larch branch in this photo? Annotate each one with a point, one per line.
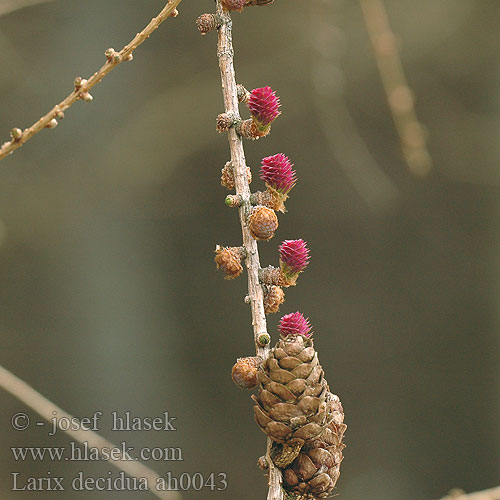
(82, 87)
(225, 53)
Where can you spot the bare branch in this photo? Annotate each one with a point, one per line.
(225, 53)
(82, 87)
(46, 409)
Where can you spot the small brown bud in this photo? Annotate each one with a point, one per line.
(262, 223)
(224, 122)
(249, 130)
(243, 93)
(274, 276)
(60, 115)
(262, 463)
(128, 58)
(244, 372)
(233, 200)
(270, 198)
(16, 134)
(208, 22)
(174, 13)
(52, 124)
(274, 296)
(78, 82)
(227, 176)
(112, 55)
(229, 260)
(233, 4)
(86, 96)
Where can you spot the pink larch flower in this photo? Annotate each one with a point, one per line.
(264, 106)
(295, 324)
(276, 171)
(294, 257)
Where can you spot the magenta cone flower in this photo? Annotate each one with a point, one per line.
(277, 172)
(264, 105)
(294, 256)
(295, 324)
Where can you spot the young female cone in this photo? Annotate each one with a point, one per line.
(292, 403)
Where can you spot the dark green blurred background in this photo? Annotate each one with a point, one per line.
(110, 299)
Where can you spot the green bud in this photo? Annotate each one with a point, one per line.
(264, 339)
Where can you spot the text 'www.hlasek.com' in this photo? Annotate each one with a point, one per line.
(94, 449)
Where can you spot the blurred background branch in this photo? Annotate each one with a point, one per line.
(8, 6)
(399, 95)
(490, 494)
(48, 410)
(375, 188)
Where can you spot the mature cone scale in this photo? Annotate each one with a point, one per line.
(315, 471)
(293, 400)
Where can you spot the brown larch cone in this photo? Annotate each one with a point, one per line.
(229, 260)
(315, 471)
(208, 22)
(274, 296)
(292, 405)
(244, 372)
(262, 223)
(227, 176)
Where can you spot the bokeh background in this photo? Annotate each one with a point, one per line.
(110, 299)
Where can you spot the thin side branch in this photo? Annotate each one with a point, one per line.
(399, 94)
(225, 53)
(490, 494)
(81, 91)
(46, 409)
